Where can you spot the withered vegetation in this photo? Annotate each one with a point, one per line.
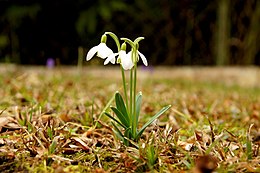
(51, 121)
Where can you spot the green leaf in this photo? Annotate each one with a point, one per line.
(124, 138)
(49, 132)
(123, 119)
(127, 136)
(128, 133)
(151, 154)
(151, 120)
(53, 145)
(138, 106)
(122, 125)
(118, 132)
(120, 105)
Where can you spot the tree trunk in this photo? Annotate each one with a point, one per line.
(222, 34)
(250, 42)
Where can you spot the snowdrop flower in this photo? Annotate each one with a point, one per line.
(124, 59)
(102, 51)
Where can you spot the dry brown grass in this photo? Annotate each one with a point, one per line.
(47, 120)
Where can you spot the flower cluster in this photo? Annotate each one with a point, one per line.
(104, 52)
(127, 109)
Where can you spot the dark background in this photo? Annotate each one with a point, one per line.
(186, 32)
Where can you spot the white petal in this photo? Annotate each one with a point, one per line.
(104, 51)
(106, 61)
(111, 58)
(121, 53)
(143, 58)
(92, 52)
(126, 61)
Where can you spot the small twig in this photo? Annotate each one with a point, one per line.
(2, 111)
(211, 130)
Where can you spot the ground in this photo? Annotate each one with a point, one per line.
(51, 120)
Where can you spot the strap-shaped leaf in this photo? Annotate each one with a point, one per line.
(118, 132)
(124, 138)
(151, 120)
(138, 105)
(122, 125)
(127, 136)
(123, 119)
(128, 133)
(120, 105)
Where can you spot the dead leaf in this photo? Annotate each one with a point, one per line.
(8, 123)
(205, 164)
(59, 158)
(65, 117)
(3, 122)
(199, 135)
(185, 145)
(82, 144)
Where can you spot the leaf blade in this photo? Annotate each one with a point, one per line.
(151, 120)
(107, 114)
(118, 132)
(120, 105)
(138, 106)
(123, 119)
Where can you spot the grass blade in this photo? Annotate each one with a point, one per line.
(104, 110)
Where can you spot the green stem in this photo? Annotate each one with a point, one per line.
(124, 84)
(134, 101)
(122, 70)
(131, 98)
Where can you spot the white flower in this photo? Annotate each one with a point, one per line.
(103, 52)
(111, 58)
(126, 59)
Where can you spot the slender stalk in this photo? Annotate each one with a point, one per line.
(131, 98)
(134, 101)
(122, 70)
(125, 91)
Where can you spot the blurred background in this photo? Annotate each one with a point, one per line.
(187, 32)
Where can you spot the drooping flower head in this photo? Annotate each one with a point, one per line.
(102, 51)
(123, 59)
(129, 60)
(126, 59)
